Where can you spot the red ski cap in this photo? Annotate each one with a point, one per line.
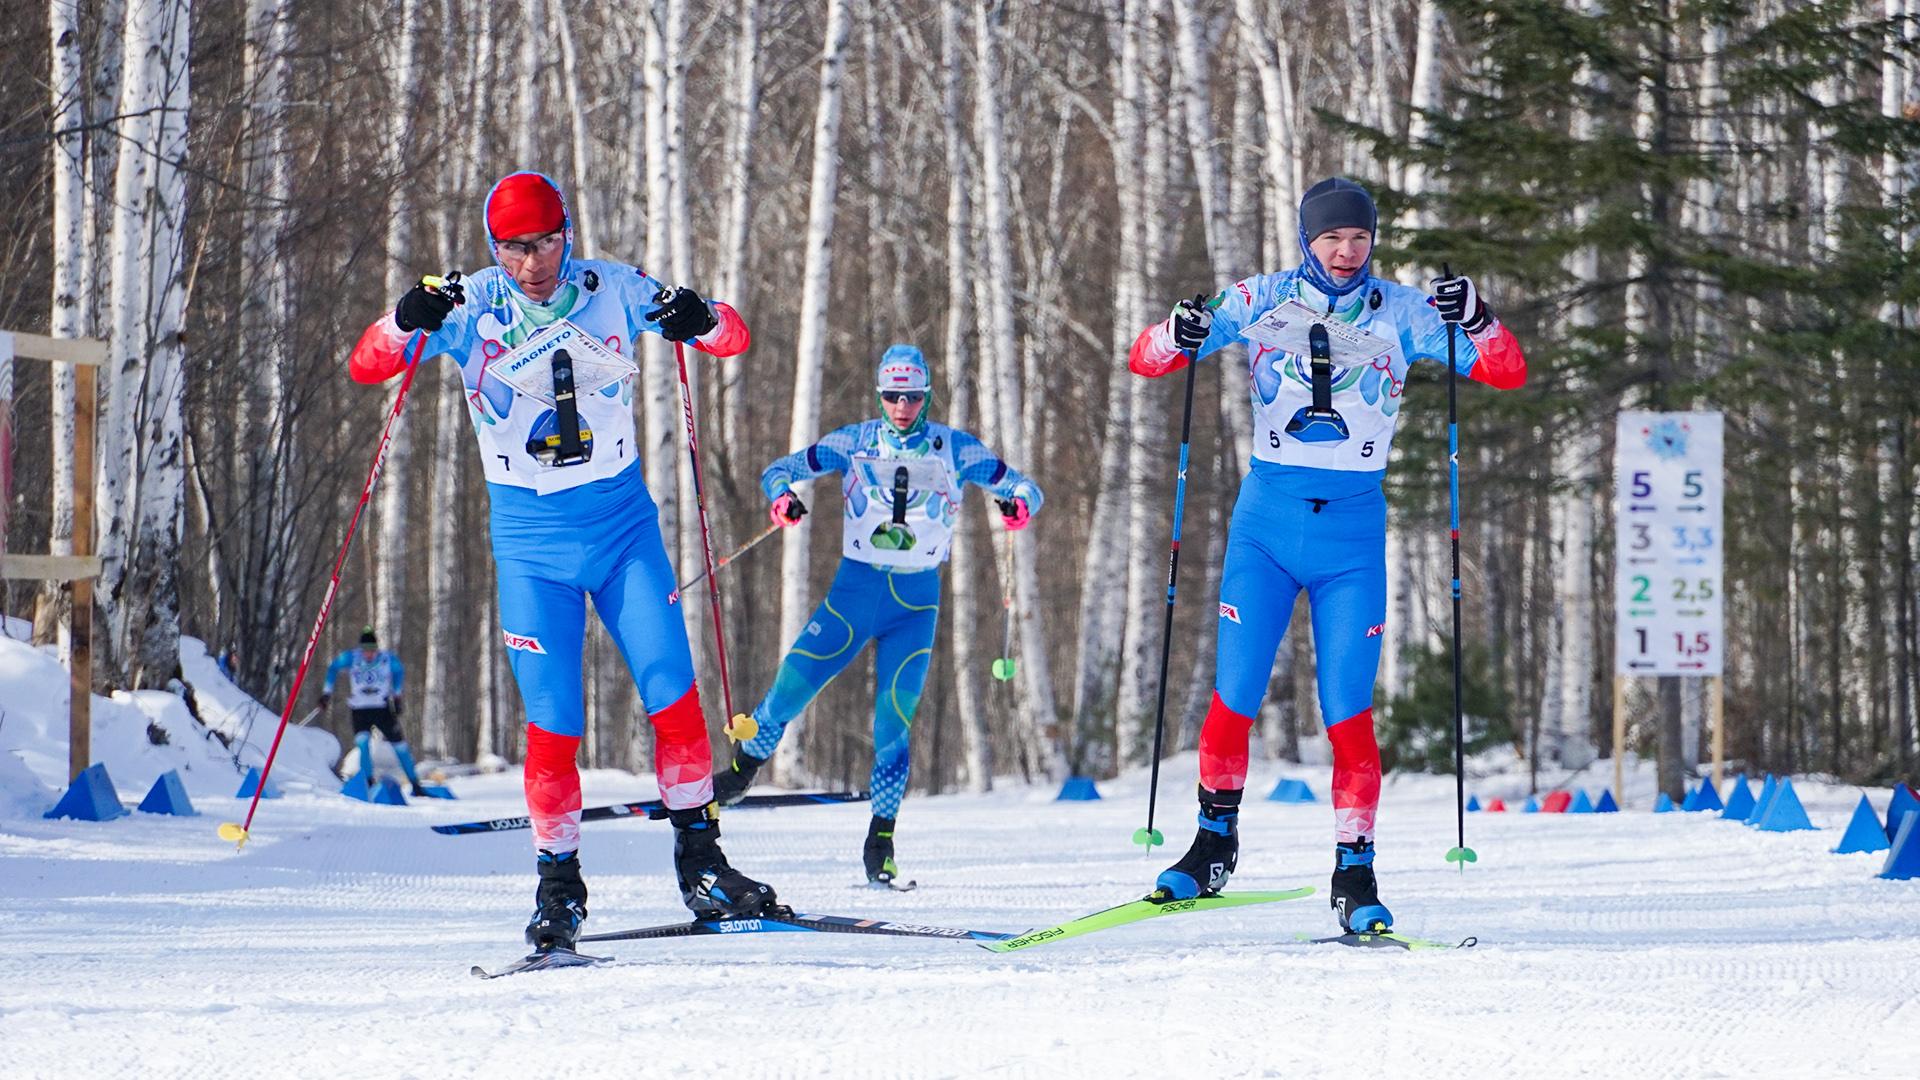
(524, 203)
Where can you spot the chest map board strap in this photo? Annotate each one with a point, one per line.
(1319, 422)
(900, 495)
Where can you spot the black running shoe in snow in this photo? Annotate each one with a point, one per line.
(1355, 893)
(730, 784)
(878, 852)
(708, 885)
(1205, 868)
(560, 902)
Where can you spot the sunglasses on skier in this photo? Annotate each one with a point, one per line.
(911, 397)
(539, 245)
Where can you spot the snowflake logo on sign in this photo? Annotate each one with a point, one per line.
(1667, 438)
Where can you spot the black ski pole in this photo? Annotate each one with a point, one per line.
(1461, 854)
(1150, 836)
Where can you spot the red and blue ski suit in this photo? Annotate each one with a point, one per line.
(561, 534)
(1311, 515)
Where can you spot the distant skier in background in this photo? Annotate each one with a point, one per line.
(895, 535)
(571, 517)
(1312, 514)
(375, 678)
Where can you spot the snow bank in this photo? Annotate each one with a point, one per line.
(141, 734)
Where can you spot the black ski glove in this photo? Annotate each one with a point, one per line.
(682, 315)
(425, 306)
(1459, 302)
(1192, 320)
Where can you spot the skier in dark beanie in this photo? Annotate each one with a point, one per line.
(1312, 515)
(571, 517)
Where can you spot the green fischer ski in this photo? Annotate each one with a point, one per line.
(1387, 940)
(1136, 911)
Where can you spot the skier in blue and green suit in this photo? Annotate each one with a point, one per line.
(896, 533)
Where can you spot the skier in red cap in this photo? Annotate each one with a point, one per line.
(543, 341)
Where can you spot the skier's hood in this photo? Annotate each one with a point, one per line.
(561, 276)
(903, 367)
(1333, 203)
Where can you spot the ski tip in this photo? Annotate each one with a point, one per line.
(1151, 838)
(233, 834)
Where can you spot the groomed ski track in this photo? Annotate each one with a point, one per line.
(339, 942)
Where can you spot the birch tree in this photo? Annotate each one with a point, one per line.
(393, 555)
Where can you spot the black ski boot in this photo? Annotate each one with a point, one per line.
(1356, 896)
(1205, 868)
(560, 903)
(878, 852)
(710, 887)
(730, 785)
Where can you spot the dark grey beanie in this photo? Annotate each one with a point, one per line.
(1336, 203)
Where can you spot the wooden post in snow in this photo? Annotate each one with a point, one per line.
(82, 566)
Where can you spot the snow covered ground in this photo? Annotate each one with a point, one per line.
(338, 942)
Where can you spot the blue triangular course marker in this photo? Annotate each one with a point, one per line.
(1760, 801)
(1903, 862)
(389, 793)
(355, 788)
(252, 782)
(1606, 805)
(1903, 803)
(1864, 832)
(1704, 797)
(1785, 814)
(90, 798)
(1532, 807)
(1077, 789)
(1581, 804)
(437, 791)
(1473, 803)
(1739, 800)
(1663, 804)
(169, 796)
(1289, 790)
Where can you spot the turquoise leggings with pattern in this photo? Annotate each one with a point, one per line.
(897, 612)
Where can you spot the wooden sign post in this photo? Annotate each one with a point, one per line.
(82, 566)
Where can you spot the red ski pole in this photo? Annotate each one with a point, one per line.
(740, 727)
(237, 833)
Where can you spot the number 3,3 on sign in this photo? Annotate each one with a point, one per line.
(1669, 486)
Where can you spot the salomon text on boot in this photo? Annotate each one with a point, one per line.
(559, 903)
(710, 887)
(1205, 868)
(1356, 896)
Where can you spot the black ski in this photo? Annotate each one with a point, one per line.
(656, 810)
(1388, 940)
(803, 923)
(541, 961)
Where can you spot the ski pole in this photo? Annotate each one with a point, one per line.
(740, 727)
(1151, 836)
(1004, 667)
(1461, 854)
(237, 833)
(737, 552)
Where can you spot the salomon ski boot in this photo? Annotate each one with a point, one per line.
(710, 887)
(730, 785)
(878, 852)
(1356, 896)
(1205, 868)
(560, 902)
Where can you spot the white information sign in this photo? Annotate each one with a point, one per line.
(1285, 327)
(923, 473)
(1668, 483)
(529, 368)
